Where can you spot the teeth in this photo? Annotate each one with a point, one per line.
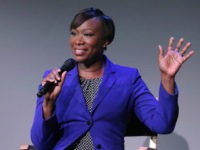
(79, 51)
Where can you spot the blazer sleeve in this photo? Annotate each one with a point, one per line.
(159, 116)
(43, 132)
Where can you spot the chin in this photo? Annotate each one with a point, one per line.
(79, 59)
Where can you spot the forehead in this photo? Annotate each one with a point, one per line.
(91, 24)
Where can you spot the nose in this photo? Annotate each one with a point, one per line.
(79, 40)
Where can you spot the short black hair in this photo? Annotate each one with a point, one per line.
(88, 13)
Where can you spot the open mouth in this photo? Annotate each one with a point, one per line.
(79, 52)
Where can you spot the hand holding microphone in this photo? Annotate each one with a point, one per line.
(55, 78)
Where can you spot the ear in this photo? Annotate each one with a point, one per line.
(105, 44)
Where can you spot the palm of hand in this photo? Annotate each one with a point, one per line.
(171, 62)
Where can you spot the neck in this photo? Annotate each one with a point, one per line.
(94, 70)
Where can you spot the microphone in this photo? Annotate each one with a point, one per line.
(67, 66)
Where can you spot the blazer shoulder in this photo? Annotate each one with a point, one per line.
(126, 71)
(126, 74)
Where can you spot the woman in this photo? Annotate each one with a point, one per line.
(90, 105)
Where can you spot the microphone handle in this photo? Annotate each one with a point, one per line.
(48, 85)
(44, 89)
(67, 66)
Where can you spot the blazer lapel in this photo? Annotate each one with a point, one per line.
(73, 86)
(106, 85)
(74, 89)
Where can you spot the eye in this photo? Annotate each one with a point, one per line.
(73, 33)
(89, 34)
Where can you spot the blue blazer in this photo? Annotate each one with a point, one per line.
(121, 94)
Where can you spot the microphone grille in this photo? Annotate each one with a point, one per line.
(68, 64)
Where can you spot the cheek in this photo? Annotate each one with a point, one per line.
(95, 43)
(71, 41)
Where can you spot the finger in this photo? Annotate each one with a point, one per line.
(143, 148)
(161, 52)
(49, 78)
(180, 42)
(186, 57)
(63, 78)
(43, 82)
(185, 48)
(56, 74)
(171, 42)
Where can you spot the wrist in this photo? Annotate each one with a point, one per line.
(168, 83)
(48, 108)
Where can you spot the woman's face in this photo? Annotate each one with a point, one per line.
(87, 41)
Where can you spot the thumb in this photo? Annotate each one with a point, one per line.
(63, 78)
